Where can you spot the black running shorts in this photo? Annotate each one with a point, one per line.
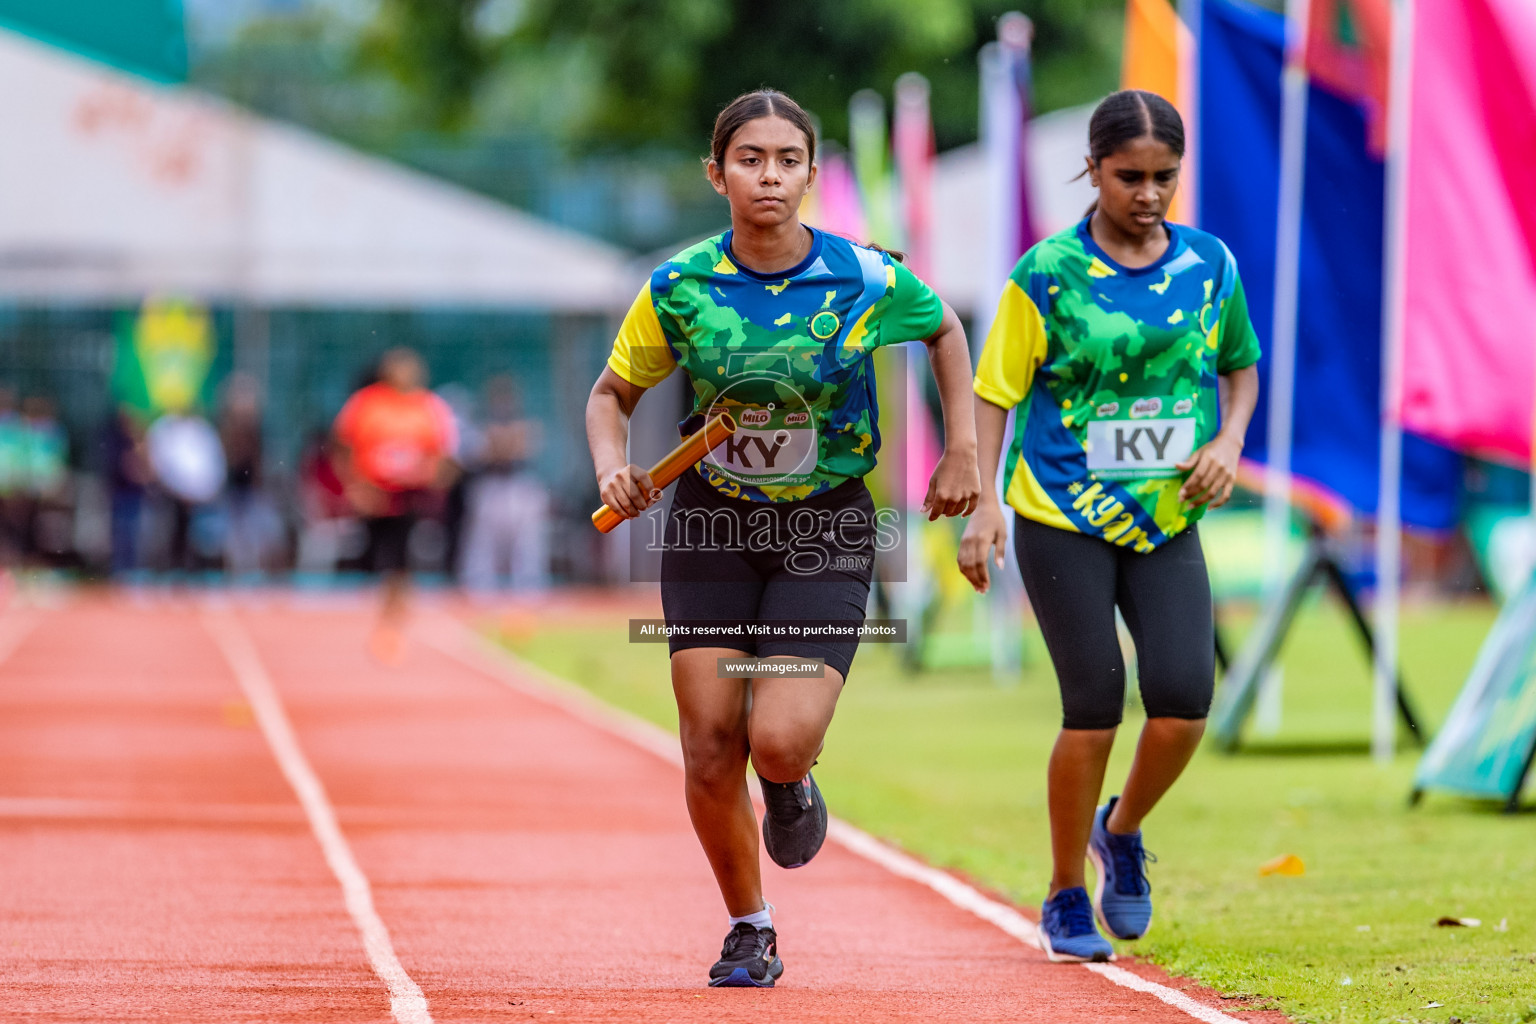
(729, 560)
(389, 542)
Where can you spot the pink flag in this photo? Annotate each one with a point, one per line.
(912, 144)
(838, 208)
(1469, 345)
(913, 147)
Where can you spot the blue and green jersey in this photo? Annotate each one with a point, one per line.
(787, 355)
(1113, 370)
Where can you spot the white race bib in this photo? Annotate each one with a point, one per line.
(1125, 449)
(776, 441)
(767, 456)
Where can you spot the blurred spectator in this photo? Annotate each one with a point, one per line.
(43, 508)
(128, 477)
(252, 527)
(12, 477)
(396, 440)
(461, 401)
(187, 459)
(328, 524)
(46, 445)
(506, 505)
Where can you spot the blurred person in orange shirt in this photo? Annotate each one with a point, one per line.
(395, 444)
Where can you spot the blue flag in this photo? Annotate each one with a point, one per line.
(1337, 414)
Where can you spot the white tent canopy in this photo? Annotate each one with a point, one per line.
(112, 188)
(1058, 141)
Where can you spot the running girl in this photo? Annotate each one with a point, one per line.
(773, 322)
(1113, 339)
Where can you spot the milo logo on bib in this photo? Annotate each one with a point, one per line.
(775, 442)
(1147, 437)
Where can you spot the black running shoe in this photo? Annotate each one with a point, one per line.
(796, 821)
(749, 959)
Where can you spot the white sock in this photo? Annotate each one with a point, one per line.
(760, 920)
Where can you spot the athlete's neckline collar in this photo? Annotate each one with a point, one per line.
(794, 271)
(1175, 242)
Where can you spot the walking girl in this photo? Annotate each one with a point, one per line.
(1124, 342)
(774, 323)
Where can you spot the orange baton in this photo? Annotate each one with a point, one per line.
(677, 462)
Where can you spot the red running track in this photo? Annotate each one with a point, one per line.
(527, 864)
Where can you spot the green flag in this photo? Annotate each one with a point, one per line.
(1486, 746)
(146, 37)
(164, 354)
(872, 168)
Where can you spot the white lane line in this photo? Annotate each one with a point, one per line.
(964, 896)
(406, 1000)
(1173, 997)
(463, 644)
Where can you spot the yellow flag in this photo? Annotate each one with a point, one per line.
(1159, 57)
(174, 344)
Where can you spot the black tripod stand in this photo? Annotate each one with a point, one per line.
(1240, 684)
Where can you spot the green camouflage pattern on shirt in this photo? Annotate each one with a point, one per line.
(789, 357)
(1118, 336)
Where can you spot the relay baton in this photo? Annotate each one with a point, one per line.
(677, 462)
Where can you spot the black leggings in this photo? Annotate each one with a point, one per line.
(1075, 582)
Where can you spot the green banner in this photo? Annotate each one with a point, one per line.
(1485, 747)
(164, 354)
(146, 37)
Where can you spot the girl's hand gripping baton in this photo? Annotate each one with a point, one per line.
(677, 462)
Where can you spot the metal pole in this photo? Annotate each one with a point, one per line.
(1282, 366)
(1000, 126)
(1389, 526)
(1190, 14)
(1282, 360)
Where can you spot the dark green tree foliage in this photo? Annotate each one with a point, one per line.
(611, 74)
(594, 112)
(665, 67)
(434, 49)
(305, 69)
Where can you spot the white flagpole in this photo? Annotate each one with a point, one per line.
(1002, 133)
(1000, 115)
(1282, 372)
(1389, 522)
(1282, 359)
(1190, 13)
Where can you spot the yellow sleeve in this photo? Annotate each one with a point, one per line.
(1015, 346)
(641, 354)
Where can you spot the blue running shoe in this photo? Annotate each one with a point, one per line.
(1122, 896)
(749, 959)
(1066, 927)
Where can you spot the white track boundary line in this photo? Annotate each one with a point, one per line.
(1173, 997)
(470, 648)
(406, 1001)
